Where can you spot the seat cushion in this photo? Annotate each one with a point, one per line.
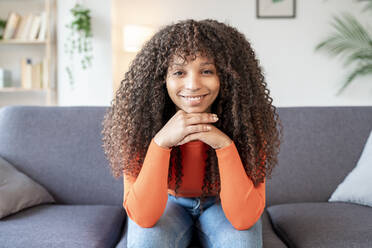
(270, 239)
(323, 224)
(51, 225)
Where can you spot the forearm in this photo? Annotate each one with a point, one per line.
(242, 203)
(146, 199)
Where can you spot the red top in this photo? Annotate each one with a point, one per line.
(145, 198)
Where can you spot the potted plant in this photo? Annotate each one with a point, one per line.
(351, 41)
(79, 39)
(2, 28)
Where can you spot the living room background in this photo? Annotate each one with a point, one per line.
(295, 73)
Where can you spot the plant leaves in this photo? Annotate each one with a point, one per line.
(349, 37)
(360, 71)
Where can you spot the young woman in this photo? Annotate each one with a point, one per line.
(194, 134)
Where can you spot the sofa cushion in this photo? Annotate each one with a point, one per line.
(61, 148)
(270, 239)
(70, 226)
(323, 224)
(18, 191)
(357, 186)
(321, 146)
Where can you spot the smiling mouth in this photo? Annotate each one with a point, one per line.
(194, 97)
(193, 100)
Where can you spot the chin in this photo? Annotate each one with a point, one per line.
(194, 109)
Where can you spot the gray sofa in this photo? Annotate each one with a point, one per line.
(61, 148)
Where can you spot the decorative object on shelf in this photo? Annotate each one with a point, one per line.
(79, 39)
(352, 42)
(5, 78)
(276, 8)
(34, 74)
(2, 28)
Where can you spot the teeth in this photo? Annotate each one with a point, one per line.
(193, 98)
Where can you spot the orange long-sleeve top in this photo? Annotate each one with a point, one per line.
(145, 197)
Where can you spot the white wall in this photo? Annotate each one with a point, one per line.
(92, 86)
(296, 75)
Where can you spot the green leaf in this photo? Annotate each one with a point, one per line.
(349, 37)
(361, 56)
(360, 71)
(368, 5)
(352, 42)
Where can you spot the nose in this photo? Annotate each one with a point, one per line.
(192, 82)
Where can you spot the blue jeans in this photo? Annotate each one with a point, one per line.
(174, 229)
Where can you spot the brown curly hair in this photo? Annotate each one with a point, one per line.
(141, 106)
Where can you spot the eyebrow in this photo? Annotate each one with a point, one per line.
(205, 63)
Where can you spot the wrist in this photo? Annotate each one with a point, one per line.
(159, 143)
(226, 143)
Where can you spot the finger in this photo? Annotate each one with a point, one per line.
(197, 128)
(189, 115)
(201, 118)
(188, 138)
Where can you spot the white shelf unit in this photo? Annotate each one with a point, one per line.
(11, 52)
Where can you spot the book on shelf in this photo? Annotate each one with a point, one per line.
(25, 25)
(45, 74)
(43, 27)
(20, 28)
(35, 27)
(29, 27)
(34, 75)
(11, 25)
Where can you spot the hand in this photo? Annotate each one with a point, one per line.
(214, 138)
(181, 125)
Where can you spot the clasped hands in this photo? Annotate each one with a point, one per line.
(184, 127)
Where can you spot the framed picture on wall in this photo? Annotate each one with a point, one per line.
(276, 8)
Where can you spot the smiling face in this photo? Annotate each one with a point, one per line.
(193, 85)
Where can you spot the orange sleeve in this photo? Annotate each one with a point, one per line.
(145, 198)
(242, 203)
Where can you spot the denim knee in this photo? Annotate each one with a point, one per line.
(250, 238)
(164, 234)
(158, 237)
(151, 239)
(216, 231)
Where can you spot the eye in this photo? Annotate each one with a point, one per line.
(177, 73)
(208, 72)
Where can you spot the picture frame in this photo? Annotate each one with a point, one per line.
(276, 8)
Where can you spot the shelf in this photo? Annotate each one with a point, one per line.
(33, 49)
(15, 89)
(27, 1)
(23, 42)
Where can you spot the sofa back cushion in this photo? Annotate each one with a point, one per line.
(321, 146)
(61, 148)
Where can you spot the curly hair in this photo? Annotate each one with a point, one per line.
(142, 106)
